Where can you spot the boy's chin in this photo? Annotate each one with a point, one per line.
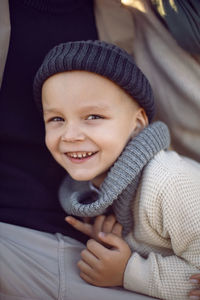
(95, 180)
(80, 177)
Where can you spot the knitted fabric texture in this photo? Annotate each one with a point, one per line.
(120, 185)
(101, 58)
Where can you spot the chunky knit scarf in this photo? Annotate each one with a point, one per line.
(119, 187)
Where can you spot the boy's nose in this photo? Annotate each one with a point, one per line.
(72, 134)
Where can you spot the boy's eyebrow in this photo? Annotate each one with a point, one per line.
(82, 108)
(48, 110)
(95, 107)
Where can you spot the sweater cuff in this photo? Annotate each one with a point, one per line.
(137, 274)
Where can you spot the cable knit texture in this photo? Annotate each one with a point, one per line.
(121, 183)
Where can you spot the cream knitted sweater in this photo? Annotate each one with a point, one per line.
(165, 239)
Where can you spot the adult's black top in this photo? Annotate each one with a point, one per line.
(29, 177)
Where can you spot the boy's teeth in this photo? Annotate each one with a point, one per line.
(80, 155)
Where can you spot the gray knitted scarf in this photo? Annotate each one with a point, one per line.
(119, 187)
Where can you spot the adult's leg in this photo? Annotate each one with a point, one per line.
(38, 265)
(28, 264)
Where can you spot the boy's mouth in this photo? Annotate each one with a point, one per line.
(80, 155)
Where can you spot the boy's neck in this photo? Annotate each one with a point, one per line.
(93, 187)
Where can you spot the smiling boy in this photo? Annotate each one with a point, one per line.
(81, 134)
(97, 105)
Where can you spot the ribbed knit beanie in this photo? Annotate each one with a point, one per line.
(101, 58)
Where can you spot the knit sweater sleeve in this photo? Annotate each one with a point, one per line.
(175, 217)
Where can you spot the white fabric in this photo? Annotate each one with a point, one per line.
(166, 231)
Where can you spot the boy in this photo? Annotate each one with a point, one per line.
(97, 105)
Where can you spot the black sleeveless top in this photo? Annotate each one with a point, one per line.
(29, 176)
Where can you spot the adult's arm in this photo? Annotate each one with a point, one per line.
(182, 18)
(4, 34)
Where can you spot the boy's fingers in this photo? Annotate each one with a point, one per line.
(71, 220)
(89, 257)
(86, 277)
(117, 229)
(87, 220)
(97, 249)
(84, 267)
(79, 225)
(98, 223)
(108, 224)
(112, 240)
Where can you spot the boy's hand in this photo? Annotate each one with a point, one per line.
(106, 224)
(101, 266)
(195, 294)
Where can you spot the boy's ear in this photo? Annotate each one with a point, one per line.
(141, 121)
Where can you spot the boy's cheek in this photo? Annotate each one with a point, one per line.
(50, 142)
(47, 140)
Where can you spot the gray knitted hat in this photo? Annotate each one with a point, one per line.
(101, 58)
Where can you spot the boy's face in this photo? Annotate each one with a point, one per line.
(88, 122)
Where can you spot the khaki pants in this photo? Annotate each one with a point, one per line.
(38, 265)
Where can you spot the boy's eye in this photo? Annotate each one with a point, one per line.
(94, 117)
(56, 119)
